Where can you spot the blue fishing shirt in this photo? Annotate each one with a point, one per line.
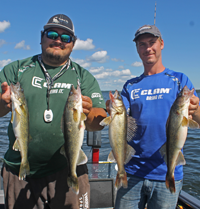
(148, 99)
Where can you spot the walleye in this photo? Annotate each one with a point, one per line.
(176, 131)
(20, 123)
(121, 129)
(73, 129)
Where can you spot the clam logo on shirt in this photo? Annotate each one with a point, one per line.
(97, 95)
(151, 94)
(57, 87)
(94, 95)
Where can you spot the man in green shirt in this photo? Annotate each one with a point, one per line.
(46, 80)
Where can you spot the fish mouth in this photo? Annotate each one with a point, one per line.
(73, 90)
(114, 96)
(15, 88)
(186, 93)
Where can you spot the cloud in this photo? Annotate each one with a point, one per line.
(117, 60)
(121, 67)
(100, 56)
(22, 45)
(96, 69)
(120, 81)
(4, 25)
(81, 62)
(136, 64)
(124, 73)
(109, 70)
(84, 45)
(2, 42)
(4, 62)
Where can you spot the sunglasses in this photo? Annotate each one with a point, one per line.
(54, 35)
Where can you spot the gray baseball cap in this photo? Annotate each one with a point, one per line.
(152, 29)
(60, 21)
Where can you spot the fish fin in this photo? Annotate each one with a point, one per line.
(83, 116)
(62, 151)
(75, 115)
(72, 182)
(180, 159)
(14, 115)
(16, 145)
(82, 159)
(17, 111)
(23, 108)
(163, 152)
(131, 128)
(185, 121)
(119, 110)
(106, 121)
(121, 180)
(111, 157)
(193, 124)
(170, 183)
(24, 170)
(129, 153)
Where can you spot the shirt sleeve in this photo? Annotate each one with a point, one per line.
(90, 88)
(9, 74)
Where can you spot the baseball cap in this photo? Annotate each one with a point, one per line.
(60, 21)
(152, 29)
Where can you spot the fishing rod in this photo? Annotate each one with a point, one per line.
(155, 15)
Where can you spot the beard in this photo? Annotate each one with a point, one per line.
(54, 57)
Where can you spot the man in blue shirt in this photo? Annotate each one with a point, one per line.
(148, 98)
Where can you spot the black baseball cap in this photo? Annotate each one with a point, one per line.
(60, 21)
(152, 29)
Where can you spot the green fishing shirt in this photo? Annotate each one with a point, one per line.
(47, 138)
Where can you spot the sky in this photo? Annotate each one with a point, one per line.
(105, 30)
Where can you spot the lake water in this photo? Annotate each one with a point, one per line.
(191, 180)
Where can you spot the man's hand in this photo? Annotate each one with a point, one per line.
(94, 115)
(5, 99)
(194, 104)
(108, 106)
(194, 109)
(86, 104)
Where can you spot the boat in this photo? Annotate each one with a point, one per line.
(102, 191)
(102, 180)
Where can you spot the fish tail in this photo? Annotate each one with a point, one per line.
(170, 183)
(72, 182)
(121, 180)
(24, 170)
